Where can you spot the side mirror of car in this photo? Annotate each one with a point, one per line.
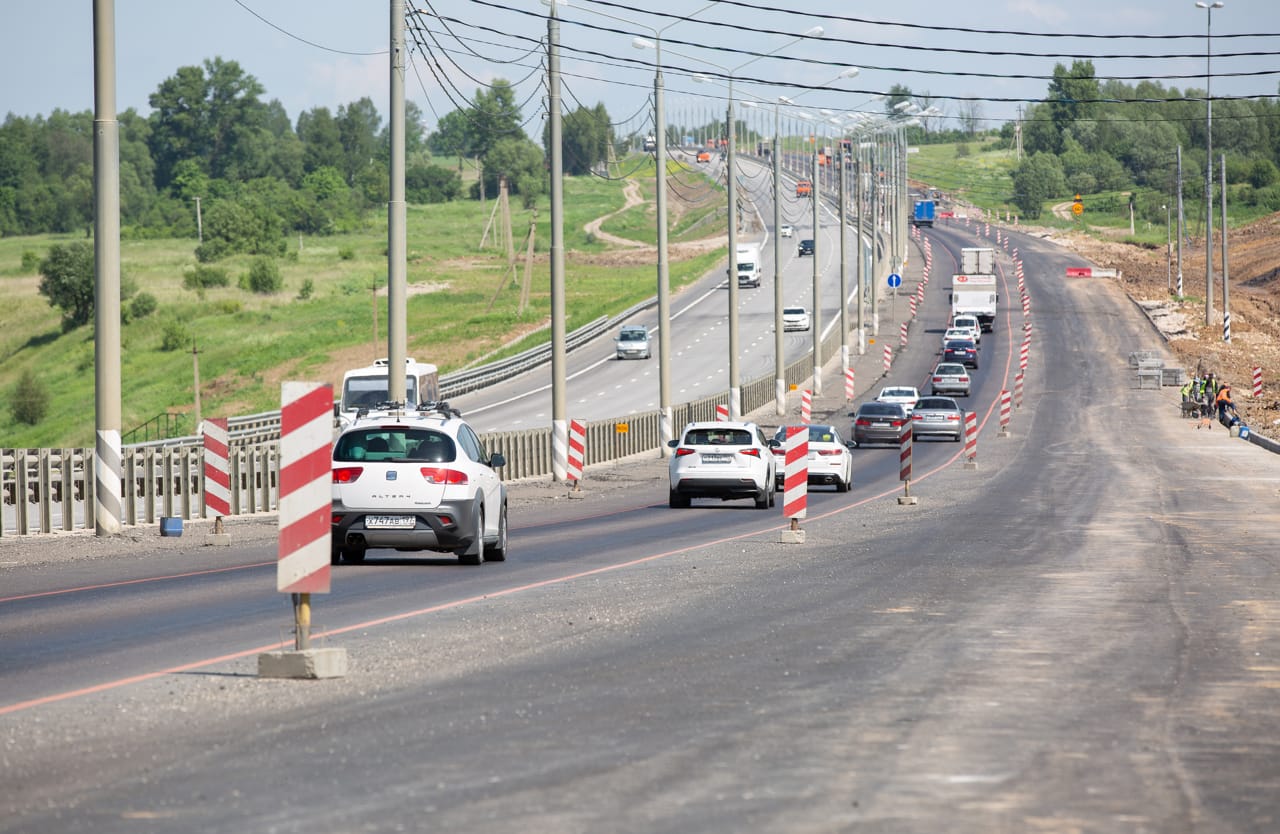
(496, 460)
(673, 443)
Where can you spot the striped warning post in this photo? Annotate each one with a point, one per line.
(1024, 354)
(306, 437)
(911, 302)
(722, 413)
(848, 384)
(1017, 391)
(971, 435)
(902, 335)
(795, 482)
(577, 450)
(1026, 304)
(1005, 411)
(806, 407)
(1226, 326)
(217, 468)
(888, 359)
(904, 457)
(1257, 382)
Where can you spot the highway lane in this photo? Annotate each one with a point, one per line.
(599, 386)
(1079, 635)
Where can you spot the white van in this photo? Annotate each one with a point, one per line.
(632, 342)
(971, 323)
(367, 388)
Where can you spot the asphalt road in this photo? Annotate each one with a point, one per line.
(1077, 635)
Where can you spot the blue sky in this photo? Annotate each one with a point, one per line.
(332, 52)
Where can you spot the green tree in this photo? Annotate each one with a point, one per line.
(358, 125)
(453, 136)
(1036, 180)
(431, 184)
(521, 162)
(321, 140)
(1073, 95)
(495, 116)
(264, 277)
(29, 401)
(585, 135)
(67, 281)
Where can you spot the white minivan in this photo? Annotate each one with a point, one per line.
(970, 323)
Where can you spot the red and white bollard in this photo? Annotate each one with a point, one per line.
(1017, 391)
(904, 468)
(1024, 354)
(911, 302)
(902, 335)
(577, 452)
(971, 439)
(795, 483)
(217, 471)
(1005, 411)
(1257, 383)
(806, 407)
(888, 359)
(722, 413)
(848, 384)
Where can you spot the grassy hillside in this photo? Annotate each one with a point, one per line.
(248, 344)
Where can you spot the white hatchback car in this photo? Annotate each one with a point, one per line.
(903, 395)
(795, 318)
(417, 480)
(971, 324)
(724, 460)
(786, 231)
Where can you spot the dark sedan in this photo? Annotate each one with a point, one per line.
(877, 422)
(806, 246)
(964, 351)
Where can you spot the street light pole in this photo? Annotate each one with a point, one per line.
(779, 360)
(559, 399)
(1208, 162)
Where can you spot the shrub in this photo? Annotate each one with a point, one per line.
(202, 277)
(30, 400)
(962, 150)
(264, 277)
(347, 253)
(174, 336)
(30, 261)
(308, 287)
(143, 305)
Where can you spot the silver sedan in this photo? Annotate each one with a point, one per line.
(938, 416)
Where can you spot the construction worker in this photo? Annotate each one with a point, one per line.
(1224, 402)
(1186, 392)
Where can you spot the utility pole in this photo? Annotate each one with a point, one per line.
(397, 249)
(1182, 229)
(199, 222)
(107, 468)
(816, 323)
(559, 400)
(195, 362)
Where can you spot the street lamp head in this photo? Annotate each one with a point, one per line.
(901, 106)
(785, 100)
(851, 72)
(555, 2)
(641, 43)
(816, 32)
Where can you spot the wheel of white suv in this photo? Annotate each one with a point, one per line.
(474, 554)
(497, 552)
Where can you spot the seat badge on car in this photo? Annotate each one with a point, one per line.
(391, 474)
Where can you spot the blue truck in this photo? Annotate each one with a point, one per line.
(924, 213)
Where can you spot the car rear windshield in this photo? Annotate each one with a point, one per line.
(881, 409)
(793, 311)
(936, 404)
(817, 434)
(951, 370)
(395, 443)
(718, 437)
(898, 392)
(633, 336)
(958, 344)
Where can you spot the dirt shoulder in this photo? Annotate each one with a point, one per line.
(1254, 283)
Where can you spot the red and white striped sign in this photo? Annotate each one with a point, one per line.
(888, 358)
(722, 413)
(904, 457)
(971, 435)
(1024, 353)
(912, 304)
(1257, 382)
(795, 481)
(1017, 390)
(577, 450)
(848, 384)
(1005, 409)
(217, 468)
(306, 478)
(903, 335)
(806, 407)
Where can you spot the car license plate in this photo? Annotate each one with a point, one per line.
(393, 522)
(880, 425)
(934, 418)
(716, 458)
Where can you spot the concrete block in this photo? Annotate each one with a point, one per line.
(907, 500)
(307, 663)
(217, 540)
(970, 464)
(791, 537)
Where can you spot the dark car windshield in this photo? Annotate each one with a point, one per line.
(817, 434)
(718, 437)
(959, 344)
(950, 370)
(936, 404)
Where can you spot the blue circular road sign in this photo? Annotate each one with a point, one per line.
(895, 280)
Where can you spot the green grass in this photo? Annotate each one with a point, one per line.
(248, 344)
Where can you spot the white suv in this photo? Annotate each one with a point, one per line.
(722, 460)
(417, 480)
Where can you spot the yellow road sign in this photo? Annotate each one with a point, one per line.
(1077, 209)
